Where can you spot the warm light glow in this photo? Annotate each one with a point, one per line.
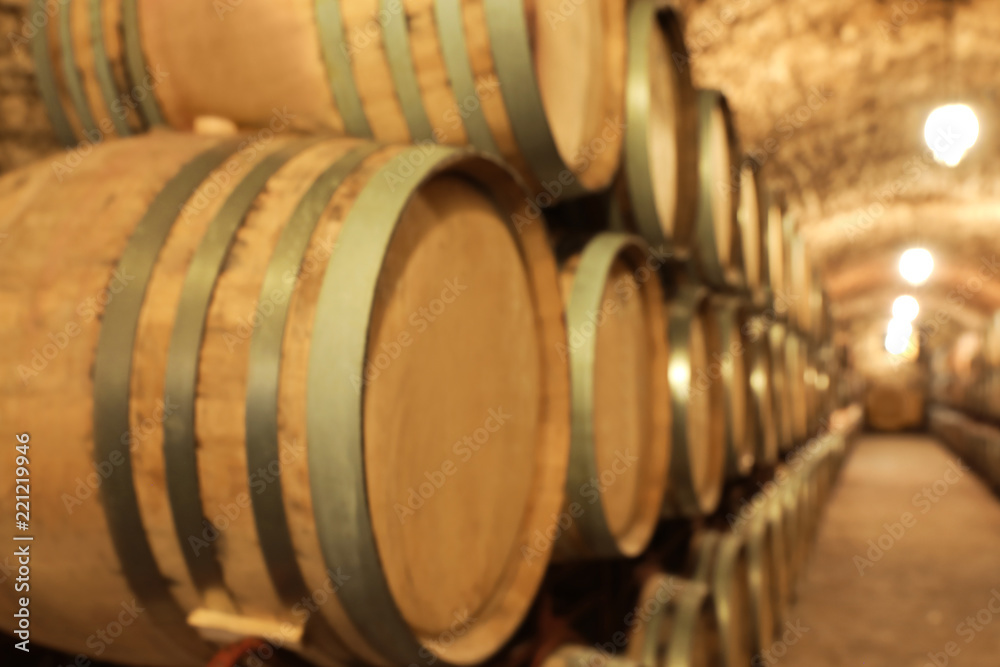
(950, 131)
(916, 265)
(905, 308)
(897, 337)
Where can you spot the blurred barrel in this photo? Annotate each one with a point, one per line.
(773, 516)
(795, 374)
(529, 80)
(753, 213)
(697, 434)
(681, 631)
(761, 558)
(661, 141)
(729, 366)
(763, 400)
(240, 466)
(722, 564)
(777, 252)
(777, 335)
(718, 250)
(620, 400)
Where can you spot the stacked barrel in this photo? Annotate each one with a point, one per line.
(338, 321)
(966, 394)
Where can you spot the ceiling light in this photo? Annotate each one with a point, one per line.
(950, 131)
(905, 308)
(916, 265)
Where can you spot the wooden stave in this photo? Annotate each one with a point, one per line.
(591, 535)
(686, 315)
(518, 127)
(719, 262)
(494, 172)
(639, 198)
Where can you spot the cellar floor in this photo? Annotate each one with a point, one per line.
(906, 602)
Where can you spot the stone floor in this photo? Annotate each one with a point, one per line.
(906, 566)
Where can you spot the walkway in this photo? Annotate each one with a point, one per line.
(906, 566)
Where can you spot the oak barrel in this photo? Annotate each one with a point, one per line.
(620, 397)
(251, 483)
(722, 564)
(752, 215)
(729, 366)
(718, 249)
(677, 625)
(661, 141)
(697, 434)
(538, 82)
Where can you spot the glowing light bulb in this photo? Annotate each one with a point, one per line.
(916, 265)
(897, 336)
(950, 131)
(905, 308)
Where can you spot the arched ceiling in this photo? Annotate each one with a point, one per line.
(831, 96)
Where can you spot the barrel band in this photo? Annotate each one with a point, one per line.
(396, 42)
(112, 377)
(509, 41)
(102, 69)
(264, 371)
(335, 421)
(71, 73)
(451, 34)
(586, 297)
(45, 76)
(180, 382)
(689, 605)
(337, 56)
(135, 63)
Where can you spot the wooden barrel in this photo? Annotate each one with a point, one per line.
(799, 283)
(620, 398)
(763, 401)
(795, 374)
(777, 253)
(538, 82)
(773, 515)
(677, 625)
(167, 295)
(723, 565)
(777, 335)
(697, 434)
(661, 140)
(761, 556)
(729, 366)
(752, 215)
(718, 248)
(788, 484)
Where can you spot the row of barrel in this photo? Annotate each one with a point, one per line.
(730, 605)
(578, 98)
(967, 374)
(977, 443)
(285, 381)
(167, 356)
